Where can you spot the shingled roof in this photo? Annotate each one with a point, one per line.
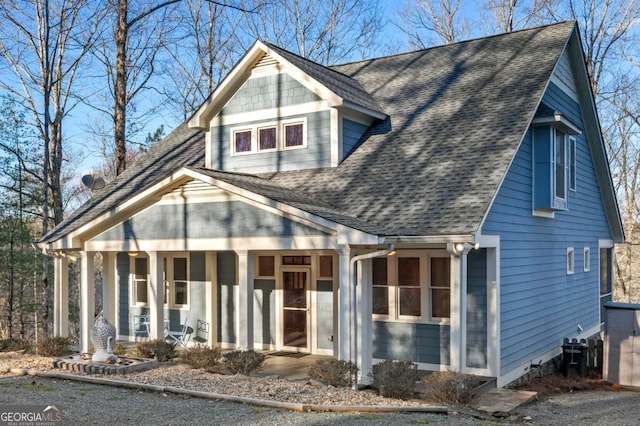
(457, 115)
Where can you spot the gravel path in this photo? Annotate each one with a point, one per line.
(88, 404)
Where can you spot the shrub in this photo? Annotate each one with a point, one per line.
(161, 350)
(200, 356)
(336, 373)
(119, 349)
(13, 345)
(54, 346)
(243, 362)
(395, 379)
(450, 388)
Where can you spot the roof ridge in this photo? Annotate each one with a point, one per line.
(454, 44)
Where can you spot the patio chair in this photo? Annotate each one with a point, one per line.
(202, 332)
(182, 336)
(141, 326)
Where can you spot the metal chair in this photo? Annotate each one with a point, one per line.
(202, 332)
(182, 336)
(141, 326)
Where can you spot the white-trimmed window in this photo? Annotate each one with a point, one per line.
(140, 281)
(273, 136)
(587, 259)
(440, 287)
(267, 138)
(294, 135)
(176, 282)
(570, 260)
(242, 141)
(411, 286)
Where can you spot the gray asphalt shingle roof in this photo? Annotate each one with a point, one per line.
(457, 115)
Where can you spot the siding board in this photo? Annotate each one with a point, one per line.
(539, 303)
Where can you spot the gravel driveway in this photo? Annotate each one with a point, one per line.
(88, 404)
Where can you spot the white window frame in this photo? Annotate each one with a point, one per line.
(169, 284)
(571, 258)
(280, 127)
(291, 122)
(133, 281)
(242, 129)
(257, 138)
(430, 287)
(586, 259)
(425, 288)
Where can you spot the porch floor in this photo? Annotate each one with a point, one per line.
(287, 365)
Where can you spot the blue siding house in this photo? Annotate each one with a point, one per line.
(451, 206)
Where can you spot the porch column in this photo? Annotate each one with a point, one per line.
(245, 303)
(61, 296)
(109, 288)
(156, 295)
(211, 294)
(365, 323)
(344, 304)
(458, 320)
(87, 298)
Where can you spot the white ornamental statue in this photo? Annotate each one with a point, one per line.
(103, 337)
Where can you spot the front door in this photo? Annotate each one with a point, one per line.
(295, 309)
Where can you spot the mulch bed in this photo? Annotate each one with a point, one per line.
(558, 383)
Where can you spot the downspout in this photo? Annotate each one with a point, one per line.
(352, 295)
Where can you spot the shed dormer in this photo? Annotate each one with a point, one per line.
(276, 111)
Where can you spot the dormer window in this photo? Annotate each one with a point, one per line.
(293, 135)
(267, 138)
(242, 141)
(271, 136)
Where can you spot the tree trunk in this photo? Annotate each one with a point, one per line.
(121, 87)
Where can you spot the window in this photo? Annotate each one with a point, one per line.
(560, 175)
(587, 259)
(606, 278)
(242, 141)
(271, 136)
(380, 284)
(326, 266)
(570, 260)
(180, 283)
(296, 260)
(293, 135)
(266, 266)
(140, 280)
(267, 139)
(176, 282)
(440, 287)
(411, 286)
(572, 163)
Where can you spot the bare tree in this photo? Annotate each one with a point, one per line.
(43, 43)
(324, 32)
(427, 23)
(208, 50)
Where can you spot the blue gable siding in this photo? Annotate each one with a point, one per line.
(271, 91)
(316, 154)
(205, 220)
(351, 133)
(540, 303)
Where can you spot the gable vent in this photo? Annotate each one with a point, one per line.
(266, 61)
(193, 189)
